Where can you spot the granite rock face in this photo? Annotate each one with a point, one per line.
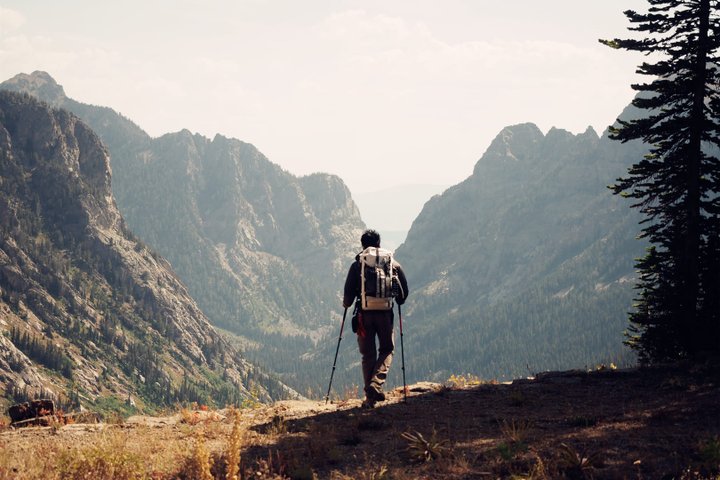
(81, 296)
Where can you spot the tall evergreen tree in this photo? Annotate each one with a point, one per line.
(676, 185)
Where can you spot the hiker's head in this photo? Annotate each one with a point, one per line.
(370, 238)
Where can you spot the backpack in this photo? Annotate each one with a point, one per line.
(377, 274)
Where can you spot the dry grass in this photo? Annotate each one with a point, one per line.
(515, 430)
(109, 459)
(4, 422)
(482, 434)
(464, 381)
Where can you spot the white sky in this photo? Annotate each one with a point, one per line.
(380, 92)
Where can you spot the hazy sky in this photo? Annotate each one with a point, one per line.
(380, 92)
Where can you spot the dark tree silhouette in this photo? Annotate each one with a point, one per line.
(676, 184)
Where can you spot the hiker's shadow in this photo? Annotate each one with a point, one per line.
(322, 442)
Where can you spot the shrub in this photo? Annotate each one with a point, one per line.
(233, 446)
(197, 466)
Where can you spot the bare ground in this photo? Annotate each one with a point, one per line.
(657, 423)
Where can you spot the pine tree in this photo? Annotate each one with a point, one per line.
(676, 185)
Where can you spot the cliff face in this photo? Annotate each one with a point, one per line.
(83, 302)
(263, 252)
(260, 249)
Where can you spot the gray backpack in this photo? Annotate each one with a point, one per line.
(376, 279)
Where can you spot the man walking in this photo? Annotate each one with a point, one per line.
(376, 359)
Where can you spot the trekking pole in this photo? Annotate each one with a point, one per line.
(327, 397)
(402, 352)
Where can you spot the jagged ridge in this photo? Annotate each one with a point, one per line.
(528, 263)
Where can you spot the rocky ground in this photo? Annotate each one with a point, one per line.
(658, 423)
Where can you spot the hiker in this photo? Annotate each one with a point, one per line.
(374, 317)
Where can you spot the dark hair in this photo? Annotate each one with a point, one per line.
(370, 238)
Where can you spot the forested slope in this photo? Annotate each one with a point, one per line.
(527, 265)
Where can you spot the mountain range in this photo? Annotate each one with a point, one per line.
(262, 251)
(527, 265)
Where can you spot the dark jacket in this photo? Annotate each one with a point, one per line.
(352, 283)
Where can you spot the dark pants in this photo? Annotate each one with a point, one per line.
(376, 360)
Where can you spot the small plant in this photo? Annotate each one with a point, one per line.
(454, 466)
(425, 450)
(197, 466)
(464, 381)
(278, 426)
(233, 447)
(577, 464)
(515, 431)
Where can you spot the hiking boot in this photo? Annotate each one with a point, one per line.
(375, 394)
(368, 404)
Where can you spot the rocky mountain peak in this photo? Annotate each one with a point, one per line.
(60, 142)
(512, 145)
(38, 84)
(590, 133)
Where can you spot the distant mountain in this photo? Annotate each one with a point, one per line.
(528, 264)
(264, 253)
(89, 314)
